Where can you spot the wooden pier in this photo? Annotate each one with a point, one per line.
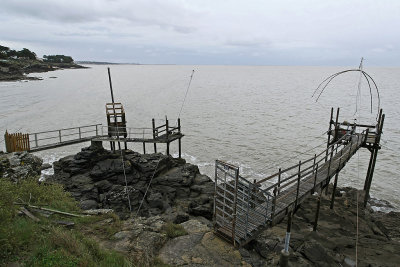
(38, 141)
(242, 209)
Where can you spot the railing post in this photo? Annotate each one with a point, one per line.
(144, 143)
(167, 134)
(179, 140)
(315, 160)
(36, 140)
(279, 180)
(154, 135)
(234, 207)
(274, 204)
(59, 135)
(298, 186)
(97, 130)
(248, 207)
(79, 130)
(315, 178)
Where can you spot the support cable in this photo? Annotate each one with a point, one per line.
(147, 189)
(184, 99)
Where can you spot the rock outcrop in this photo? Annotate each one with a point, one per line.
(19, 165)
(101, 179)
(334, 242)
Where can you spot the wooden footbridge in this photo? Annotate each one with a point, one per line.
(242, 209)
(115, 132)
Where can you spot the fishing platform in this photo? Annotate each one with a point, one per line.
(243, 208)
(116, 132)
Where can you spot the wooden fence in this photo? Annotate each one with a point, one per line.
(16, 142)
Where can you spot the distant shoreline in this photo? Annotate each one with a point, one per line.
(16, 69)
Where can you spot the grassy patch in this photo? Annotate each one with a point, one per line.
(44, 243)
(173, 230)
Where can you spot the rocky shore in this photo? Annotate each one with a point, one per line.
(179, 194)
(16, 69)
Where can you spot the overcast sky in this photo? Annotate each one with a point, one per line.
(252, 32)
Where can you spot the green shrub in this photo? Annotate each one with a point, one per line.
(173, 230)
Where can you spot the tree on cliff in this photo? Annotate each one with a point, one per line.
(58, 59)
(26, 53)
(3, 51)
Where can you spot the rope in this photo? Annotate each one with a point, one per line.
(147, 189)
(187, 90)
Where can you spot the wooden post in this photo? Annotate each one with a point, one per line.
(154, 135)
(97, 131)
(59, 135)
(371, 174)
(179, 140)
(328, 174)
(329, 135)
(335, 185)
(144, 148)
(317, 213)
(79, 130)
(369, 169)
(372, 152)
(288, 230)
(167, 134)
(284, 257)
(298, 186)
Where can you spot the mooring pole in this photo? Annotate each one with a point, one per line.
(284, 259)
(317, 213)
